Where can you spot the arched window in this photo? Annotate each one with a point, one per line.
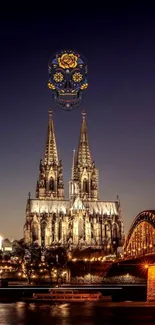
(60, 230)
(107, 230)
(114, 230)
(43, 231)
(85, 186)
(51, 184)
(35, 231)
(80, 228)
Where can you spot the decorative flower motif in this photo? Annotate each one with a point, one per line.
(50, 86)
(58, 77)
(67, 60)
(77, 77)
(84, 86)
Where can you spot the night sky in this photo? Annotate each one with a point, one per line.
(119, 44)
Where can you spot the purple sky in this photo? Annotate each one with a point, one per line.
(119, 45)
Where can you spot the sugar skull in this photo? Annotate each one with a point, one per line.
(67, 79)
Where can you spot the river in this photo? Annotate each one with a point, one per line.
(20, 313)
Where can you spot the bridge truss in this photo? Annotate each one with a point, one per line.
(141, 236)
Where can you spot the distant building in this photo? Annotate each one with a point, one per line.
(82, 221)
(6, 245)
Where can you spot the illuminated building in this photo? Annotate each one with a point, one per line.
(82, 221)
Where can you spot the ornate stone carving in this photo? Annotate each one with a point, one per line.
(81, 221)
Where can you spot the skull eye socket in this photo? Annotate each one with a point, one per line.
(77, 77)
(58, 77)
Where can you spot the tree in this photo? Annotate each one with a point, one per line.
(30, 259)
(56, 259)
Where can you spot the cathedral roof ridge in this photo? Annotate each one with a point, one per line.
(50, 200)
(101, 201)
(56, 206)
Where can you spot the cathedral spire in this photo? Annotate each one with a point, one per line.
(50, 183)
(51, 153)
(83, 153)
(84, 178)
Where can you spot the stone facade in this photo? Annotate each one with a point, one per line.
(82, 221)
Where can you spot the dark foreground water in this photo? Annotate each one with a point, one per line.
(78, 314)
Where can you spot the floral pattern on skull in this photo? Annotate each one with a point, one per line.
(67, 78)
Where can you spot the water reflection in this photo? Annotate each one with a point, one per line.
(77, 314)
(5, 314)
(60, 310)
(32, 306)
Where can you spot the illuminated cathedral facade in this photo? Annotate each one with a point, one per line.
(83, 220)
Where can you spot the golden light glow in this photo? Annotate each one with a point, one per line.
(151, 283)
(140, 240)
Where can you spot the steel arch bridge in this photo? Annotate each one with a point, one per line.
(141, 236)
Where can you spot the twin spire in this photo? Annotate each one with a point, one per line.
(83, 157)
(84, 176)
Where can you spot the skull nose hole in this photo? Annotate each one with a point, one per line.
(68, 85)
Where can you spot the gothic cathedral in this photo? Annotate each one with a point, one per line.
(82, 221)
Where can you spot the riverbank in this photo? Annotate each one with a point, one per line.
(119, 293)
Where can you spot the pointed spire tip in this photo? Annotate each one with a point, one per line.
(83, 113)
(50, 112)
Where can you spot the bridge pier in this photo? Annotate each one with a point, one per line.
(151, 283)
